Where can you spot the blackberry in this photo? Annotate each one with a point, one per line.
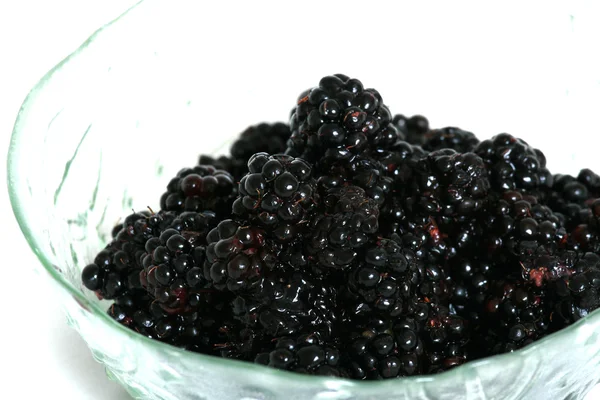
(450, 138)
(451, 184)
(277, 195)
(514, 165)
(344, 223)
(385, 280)
(116, 269)
(237, 257)
(570, 198)
(201, 188)
(591, 181)
(512, 316)
(411, 129)
(519, 225)
(224, 163)
(306, 353)
(364, 172)
(576, 294)
(261, 138)
(289, 302)
(338, 120)
(193, 330)
(174, 261)
(375, 355)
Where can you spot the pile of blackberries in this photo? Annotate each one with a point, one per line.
(358, 244)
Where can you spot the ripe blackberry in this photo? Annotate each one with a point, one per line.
(576, 294)
(277, 195)
(345, 222)
(451, 184)
(385, 279)
(305, 353)
(375, 355)
(364, 172)
(412, 129)
(201, 188)
(338, 120)
(237, 257)
(116, 269)
(290, 301)
(261, 138)
(445, 338)
(570, 198)
(450, 138)
(174, 261)
(196, 330)
(514, 165)
(591, 181)
(518, 226)
(224, 163)
(512, 316)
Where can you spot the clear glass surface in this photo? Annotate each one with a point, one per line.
(105, 129)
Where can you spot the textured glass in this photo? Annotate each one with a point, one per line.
(104, 130)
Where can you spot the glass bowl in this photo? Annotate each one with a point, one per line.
(146, 94)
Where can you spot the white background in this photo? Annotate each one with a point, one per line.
(40, 355)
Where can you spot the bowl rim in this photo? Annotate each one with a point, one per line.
(16, 186)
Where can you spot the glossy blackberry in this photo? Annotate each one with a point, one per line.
(261, 138)
(201, 188)
(345, 222)
(591, 181)
(277, 195)
(445, 338)
(451, 184)
(196, 330)
(289, 302)
(385, 279)
(364, 172)
(338, 120)
(514, 165)
(238, 257)
(306, 353)
(116, 268)
(224, 163)
(518, 226)
(412, 129)
(576, 294)
(373, 355)
(174, 261)
(450, 138)
(512, 316)
(571, 198)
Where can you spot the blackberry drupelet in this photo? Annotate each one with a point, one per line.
(338, 120)
(201, 188)
(345, 222)
(277, 195)
(450, 138)
(305, 353)
(514, 165)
